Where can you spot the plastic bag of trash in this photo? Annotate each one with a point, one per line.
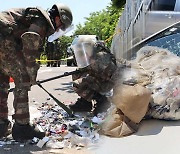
(135, 75)
(158, 62)
(116, 124)
(133, 101)
(166, 99)
(164, 68)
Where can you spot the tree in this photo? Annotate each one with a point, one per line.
(64, 42)
(118, 3)
(100, 23)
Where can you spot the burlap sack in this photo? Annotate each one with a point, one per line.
(117, 124)
(132, 101)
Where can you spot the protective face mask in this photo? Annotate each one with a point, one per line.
(59, 33)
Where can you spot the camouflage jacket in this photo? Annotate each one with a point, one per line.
(15, 22)
(22, 33)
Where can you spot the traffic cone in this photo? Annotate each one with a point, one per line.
(11, 79)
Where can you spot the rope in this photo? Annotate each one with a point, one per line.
(46, 60)
(117, 32)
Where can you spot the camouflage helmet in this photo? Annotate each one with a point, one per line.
(65, 14)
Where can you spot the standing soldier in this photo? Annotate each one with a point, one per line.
(49, 53)
(57, 53)
(53, 53)
(22, 34)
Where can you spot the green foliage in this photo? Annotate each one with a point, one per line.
(118, 3)
(43, 57)
(101, 23)
(64, 43)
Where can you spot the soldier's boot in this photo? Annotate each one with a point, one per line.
(5, 126)
(102, 104)
(21, 132)
(81, 105)
(48, 64)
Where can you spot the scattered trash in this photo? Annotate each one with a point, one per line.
(35, 140)
(7, 149)
(42, 142)
(97, 120)
(21, 145)
(64, 131)
(5, 142)
(2, 143)
(55, 144)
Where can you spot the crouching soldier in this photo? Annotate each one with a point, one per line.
(22, 35)
(98, 66)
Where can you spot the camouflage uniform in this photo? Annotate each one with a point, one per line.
(49, 53)
(57, 53)
(22, 34)
(98, 77)
(53, 52)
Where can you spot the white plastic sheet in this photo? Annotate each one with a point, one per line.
(58, 34)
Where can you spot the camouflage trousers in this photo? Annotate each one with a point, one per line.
(88, 86)
(12, 64)
(82, 88)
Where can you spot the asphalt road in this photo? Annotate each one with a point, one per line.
(61, 89)
(153, 136)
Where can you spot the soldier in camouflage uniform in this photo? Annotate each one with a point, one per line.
(95, 81)
(49, 53)
(57, 53)
(53, 53)
(22, 34)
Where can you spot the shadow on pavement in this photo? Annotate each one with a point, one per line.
(154, 127)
